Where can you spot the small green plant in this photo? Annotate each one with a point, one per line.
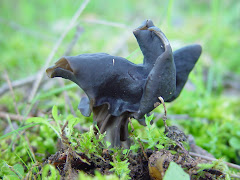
(151, 136)
(120, 168)
(120, 163)
(45, 121)
(89, 143)
(217, 165)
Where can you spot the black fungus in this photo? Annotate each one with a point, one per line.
(117, 89)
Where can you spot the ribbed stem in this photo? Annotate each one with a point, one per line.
(116, 127)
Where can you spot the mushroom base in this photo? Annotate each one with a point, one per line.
(116, 127)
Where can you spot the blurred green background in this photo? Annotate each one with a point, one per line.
(208, 108)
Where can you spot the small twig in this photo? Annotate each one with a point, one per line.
(12, 116)
(68, 165)
(182, 147)
(24, 30)
(235, 176)
(16, 172)
(63, 135)
(179, 117)
(12, 92)
(165, 113)
(213, 159)
(164, 106)
(172, 116)
(18, 83)
(30, 147)
(105, 22)
(54, 50)
(145, 155)
(78, 33)
(63, 128)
